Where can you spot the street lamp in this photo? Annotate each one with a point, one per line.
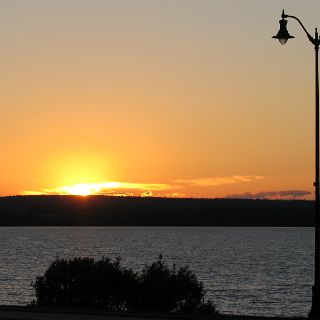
(283, 36)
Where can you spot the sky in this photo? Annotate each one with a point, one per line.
(170, 98)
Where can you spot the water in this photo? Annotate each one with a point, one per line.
(252, 271)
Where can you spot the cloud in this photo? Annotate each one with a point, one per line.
(115, 193)
(176, 195)
(294, 193)
(249, 195)
(32, 193)
(216, 181)
(147, 194)
(111, 188)
(115, 188)
(286, 194)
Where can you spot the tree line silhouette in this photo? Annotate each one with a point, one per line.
(137, 211)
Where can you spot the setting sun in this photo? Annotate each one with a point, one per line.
(150, 108)
(81, 189)
(165, 133)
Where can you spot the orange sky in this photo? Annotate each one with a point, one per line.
(167, 98)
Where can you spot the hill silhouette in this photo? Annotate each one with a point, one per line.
(136, 211)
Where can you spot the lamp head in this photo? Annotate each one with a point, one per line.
(283, 35)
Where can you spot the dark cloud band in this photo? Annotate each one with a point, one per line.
(288, 194)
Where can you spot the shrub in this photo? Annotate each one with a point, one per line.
(163, 289)
(84, 282)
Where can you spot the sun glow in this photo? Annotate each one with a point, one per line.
(111, 188)
(177, 188)
(81, 189)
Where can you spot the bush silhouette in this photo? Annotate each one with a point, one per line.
(85, 282)
(163, 289)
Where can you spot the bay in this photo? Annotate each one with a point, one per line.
(251, 271)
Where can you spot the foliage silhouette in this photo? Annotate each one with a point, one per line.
(162, 288)
(85, 282)
(138, 211)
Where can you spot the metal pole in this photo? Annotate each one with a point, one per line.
(283, 34)
(315, 309)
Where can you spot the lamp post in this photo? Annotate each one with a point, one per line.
(283, 36)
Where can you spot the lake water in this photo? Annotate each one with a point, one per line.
(252, 271)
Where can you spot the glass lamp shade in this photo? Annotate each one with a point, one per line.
(283, 35)
(282, 40)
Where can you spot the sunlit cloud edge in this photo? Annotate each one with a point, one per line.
(216, 181)
(114, 188)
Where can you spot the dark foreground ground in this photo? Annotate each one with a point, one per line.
(28, 313)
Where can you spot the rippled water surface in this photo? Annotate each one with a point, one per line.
(253, 271)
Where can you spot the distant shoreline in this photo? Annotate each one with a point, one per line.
(165, 212)
(140, 197)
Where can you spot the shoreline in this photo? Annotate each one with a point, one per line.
(51, 313)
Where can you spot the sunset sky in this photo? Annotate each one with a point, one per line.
(175, 98)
